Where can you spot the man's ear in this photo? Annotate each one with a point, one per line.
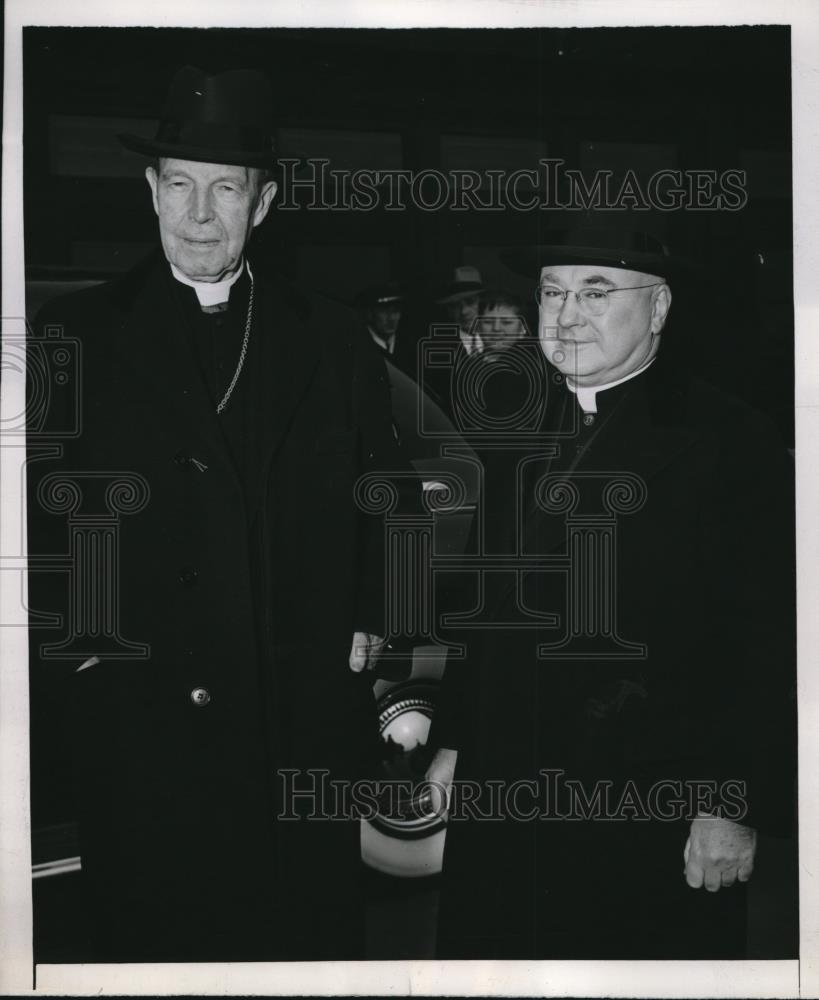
(153, 184)
(263, 202)
(659, 308)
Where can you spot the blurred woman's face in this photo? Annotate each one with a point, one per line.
(500, 327)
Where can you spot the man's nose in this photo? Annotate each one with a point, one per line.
(569, 314)
(201, 206)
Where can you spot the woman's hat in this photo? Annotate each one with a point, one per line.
(225, 118)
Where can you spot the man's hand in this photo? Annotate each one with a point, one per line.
(364, 651)
(439, 775)
(718, 853)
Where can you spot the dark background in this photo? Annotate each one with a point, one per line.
(618, 98)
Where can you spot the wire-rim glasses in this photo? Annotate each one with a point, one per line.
(593, 301)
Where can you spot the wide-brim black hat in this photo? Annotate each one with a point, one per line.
(630, 250)
(225, 118)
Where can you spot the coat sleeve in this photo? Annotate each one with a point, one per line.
(459, 696)
(748, 538)
(53, 423)
(53, 414)
(380, 455)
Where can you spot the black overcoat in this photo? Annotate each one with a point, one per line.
(251, 596)
(698, 557)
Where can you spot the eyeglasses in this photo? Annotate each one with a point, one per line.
(594, 301)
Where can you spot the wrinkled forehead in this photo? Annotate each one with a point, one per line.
(205, 171)
(580, 275)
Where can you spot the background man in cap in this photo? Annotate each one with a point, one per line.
(655, 726)
(380, 307)
(248, 573)
(385, 323)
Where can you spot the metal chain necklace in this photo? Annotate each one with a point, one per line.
(243, 351)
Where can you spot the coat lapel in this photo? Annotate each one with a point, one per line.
(289, 357)
(154, 342)
(645, 432)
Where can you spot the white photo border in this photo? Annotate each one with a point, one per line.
(591, 979)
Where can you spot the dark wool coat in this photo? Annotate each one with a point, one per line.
(449, 376)
(702, 575)
(250, 594)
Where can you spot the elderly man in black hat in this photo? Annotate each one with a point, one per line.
(206, 722)
(626, 726)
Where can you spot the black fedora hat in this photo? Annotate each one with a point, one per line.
(462, 282)
(224, 118)
(606, 246)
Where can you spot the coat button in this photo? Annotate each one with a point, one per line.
(588, 419)
(188, 576)
(200, 697)
(181, 458)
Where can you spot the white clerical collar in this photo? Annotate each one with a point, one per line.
(387, 344)
(209, 293)
(587, 394)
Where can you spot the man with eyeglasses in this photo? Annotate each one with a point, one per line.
(622, 725)
(594, 339)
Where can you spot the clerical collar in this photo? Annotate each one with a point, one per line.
(587, 394)
(209, 293)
